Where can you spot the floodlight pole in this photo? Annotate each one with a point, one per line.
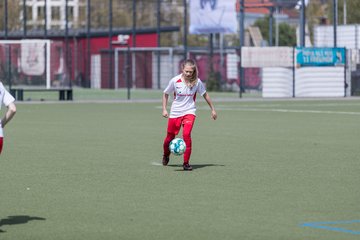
(335, 20)
(133, 38)
(6, 19)
(126, 71)
(241, 38)
(24, 19)
(8, 76)
(45, 19)
(133, 31)
(271, 18)
(211, 52)
(45, 37)
(185, 30)
(110, 19)
(277, 27)
(68, 66)
(158, 13)
(345, 12)
(88, 47)
(302, 24)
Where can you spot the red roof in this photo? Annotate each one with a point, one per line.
(263, 7)
(258, 6)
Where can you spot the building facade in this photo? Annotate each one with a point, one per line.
(55, 11)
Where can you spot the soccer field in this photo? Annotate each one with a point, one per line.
(265, 170)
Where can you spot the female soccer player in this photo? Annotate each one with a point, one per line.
(185, 86)
(7, 100)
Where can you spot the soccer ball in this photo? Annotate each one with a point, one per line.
(177, 146)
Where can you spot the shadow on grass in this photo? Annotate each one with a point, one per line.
(21, 219)
(196, 166)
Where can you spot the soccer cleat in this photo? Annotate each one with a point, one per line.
(187, 167)
(165, 160)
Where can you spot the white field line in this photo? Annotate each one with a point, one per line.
(281, 110)
(297, 105)
(156, 164)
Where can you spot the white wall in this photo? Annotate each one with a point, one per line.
(319, 82)
(277, 82)
(309, 82)
(347, 36)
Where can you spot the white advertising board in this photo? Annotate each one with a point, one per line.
(267, 56)
(212, 16)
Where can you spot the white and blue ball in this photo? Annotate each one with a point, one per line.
(177, 146)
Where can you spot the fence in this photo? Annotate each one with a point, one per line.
(348, 36)
(154, 67)
(144, 67)
(33, 62)
(328, 72)
(88, 27)
(270, 70)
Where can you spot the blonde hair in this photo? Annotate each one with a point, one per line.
(194, 78)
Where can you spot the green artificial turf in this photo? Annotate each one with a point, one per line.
(93, 171)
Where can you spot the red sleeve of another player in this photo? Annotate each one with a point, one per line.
(1, 144)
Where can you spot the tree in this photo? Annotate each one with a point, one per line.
(287, 33)
(321, 12)
(316, 13)
(352, 11)
(14, 9)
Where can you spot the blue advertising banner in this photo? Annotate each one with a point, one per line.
(320, 56)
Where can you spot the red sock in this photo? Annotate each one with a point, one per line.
(187, 152)
(167, 141)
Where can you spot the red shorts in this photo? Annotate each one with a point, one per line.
(187, 122)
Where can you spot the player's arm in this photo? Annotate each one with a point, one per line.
(209, 102)
(11, 110)
(165, 99)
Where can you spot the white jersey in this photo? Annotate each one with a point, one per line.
(184, 96)
(5, 99)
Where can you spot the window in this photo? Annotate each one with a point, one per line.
(29, 12)
(55, 13)
(71, 13)
(41, 12)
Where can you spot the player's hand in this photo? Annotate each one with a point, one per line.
(165, 114)
(214, 114)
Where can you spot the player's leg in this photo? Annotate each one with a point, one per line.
(188, 123)
(173, 129)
